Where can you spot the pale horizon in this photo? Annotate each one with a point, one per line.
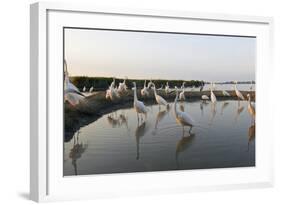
(169, 56)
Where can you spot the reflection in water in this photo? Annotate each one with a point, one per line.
(251, 134)
(113, 121)
(224, 105)
(113, 138)
(76, 152)
(239, 111)
(183, 144)
(213, 112)
(140, 132)
(182, 107)
(160, 116)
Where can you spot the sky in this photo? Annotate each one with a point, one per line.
(146, 55)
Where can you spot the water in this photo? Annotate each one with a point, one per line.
(117, 143)
(242, 87)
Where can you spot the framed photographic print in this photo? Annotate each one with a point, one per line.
(127, 102)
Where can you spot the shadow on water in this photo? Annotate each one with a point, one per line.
(139, 133)
(183, 144)
(251, 134)
(76, 152)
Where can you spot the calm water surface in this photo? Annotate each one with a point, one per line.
(117, 142)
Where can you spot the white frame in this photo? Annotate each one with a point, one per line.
(41, 92)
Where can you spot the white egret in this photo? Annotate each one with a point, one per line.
(111, 92)
(71, 92)
(238, 93)
(160, 100)
(251, 108)
(182, 95)
(167, 88)
(182, 118)
(150, 84)
(122, 88)
(213, 96)
(144, 91)
(91, 89)
(205, 97)
(138, 105)
(84, 89)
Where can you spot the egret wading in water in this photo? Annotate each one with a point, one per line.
(144, 91)
(71, 93)
(182, 118)
(213, 96)
(160, 100)
(251, 107)
(138, 105)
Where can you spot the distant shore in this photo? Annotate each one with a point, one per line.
(96, 105)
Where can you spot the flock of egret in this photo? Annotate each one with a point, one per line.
(182, 117)
(74, 96)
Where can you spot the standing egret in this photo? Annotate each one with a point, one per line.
(167, 88)
(213, 96)
(238, 93)
(160, 100)
(150, 84)
(111, 92)
(251, 108)
(71, 92)
(182, 118)
(84, 89)
(144, 91)
(91, 89)
(138, 105)
(182, 95)
(122, 88)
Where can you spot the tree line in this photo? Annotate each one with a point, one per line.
(102, 83)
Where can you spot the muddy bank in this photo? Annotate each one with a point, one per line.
(96, 105)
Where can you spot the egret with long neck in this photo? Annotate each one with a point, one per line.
(160, 100)
(182, 118)
(139, 105)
